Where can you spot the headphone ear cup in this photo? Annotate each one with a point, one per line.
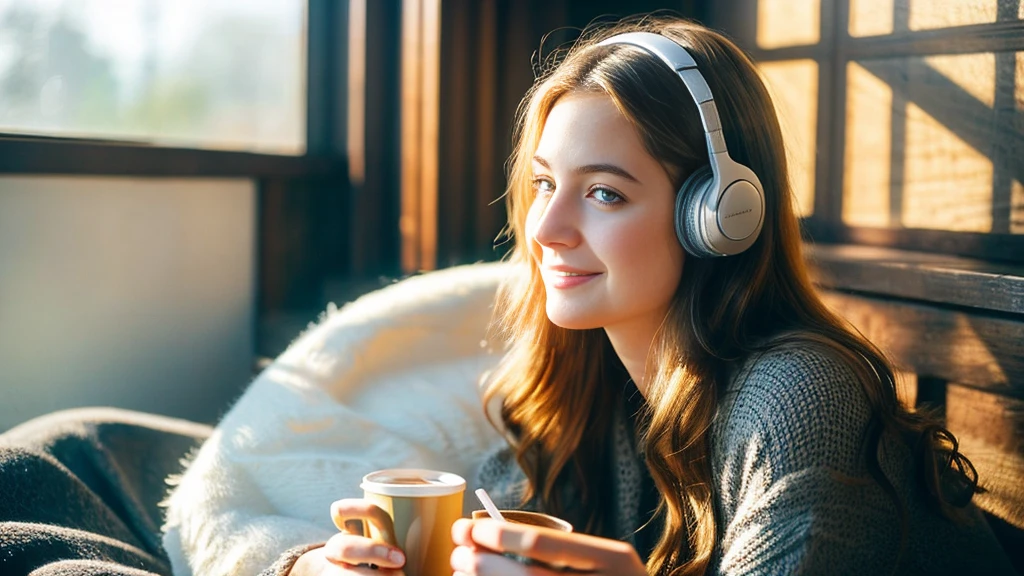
(689, 201)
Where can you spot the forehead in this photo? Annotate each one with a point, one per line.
(588, 127)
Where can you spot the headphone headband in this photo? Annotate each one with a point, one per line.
(679, 60)
(720, 213)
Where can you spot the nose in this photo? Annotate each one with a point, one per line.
(556, 220)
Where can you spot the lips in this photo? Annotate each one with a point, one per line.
(564, 277)
(566, 269)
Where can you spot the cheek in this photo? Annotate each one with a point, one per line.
(646, 254)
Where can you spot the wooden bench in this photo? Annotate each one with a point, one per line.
(955, 328)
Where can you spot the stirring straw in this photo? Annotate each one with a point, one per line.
(489, 505)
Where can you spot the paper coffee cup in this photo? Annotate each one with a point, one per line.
(423, 505)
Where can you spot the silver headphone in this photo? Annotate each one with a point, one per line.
(720, 208)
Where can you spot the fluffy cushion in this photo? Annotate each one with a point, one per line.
(390, 380)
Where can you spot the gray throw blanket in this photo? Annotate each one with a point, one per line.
(79, 492)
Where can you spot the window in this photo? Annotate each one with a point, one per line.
(904, 119)
(191, 73)
(793, 85)
(130, 292)
(940, 155)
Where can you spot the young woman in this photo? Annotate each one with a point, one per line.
(674, 386)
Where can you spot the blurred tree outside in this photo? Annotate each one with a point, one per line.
(239, 82)
(47, 63)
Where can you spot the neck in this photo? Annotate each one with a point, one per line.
(632, 344)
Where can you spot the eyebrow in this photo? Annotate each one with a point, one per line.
(593, 168)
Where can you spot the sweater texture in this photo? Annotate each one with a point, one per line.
(792, 491)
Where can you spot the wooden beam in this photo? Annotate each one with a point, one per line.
(27, 155)
(990, 429)
(488, 184)
(979, 350)
(373, 109)
(828, 199)
(457, 104)
(421, 65)
(938, 278)
(327, 32)
(1007, 248)
(995, 37)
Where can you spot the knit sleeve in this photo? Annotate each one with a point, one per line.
(794, 495)
(286, 561)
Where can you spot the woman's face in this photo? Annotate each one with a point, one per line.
(601, 224)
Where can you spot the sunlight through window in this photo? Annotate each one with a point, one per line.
(1019, 75)
(229, 74)
(931, 14)
(1017, 208)
(941, 153)
(947, 184)
(975, 73)
(868, 155)
(877, 17)
(871, 17)
(788, 23)
(794, 88)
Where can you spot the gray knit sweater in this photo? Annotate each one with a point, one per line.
(792, 492)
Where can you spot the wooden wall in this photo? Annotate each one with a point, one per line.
(486, 59)
(955, 329)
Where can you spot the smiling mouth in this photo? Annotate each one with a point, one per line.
(561, 280)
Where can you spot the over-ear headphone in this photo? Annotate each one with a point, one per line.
(720, 207)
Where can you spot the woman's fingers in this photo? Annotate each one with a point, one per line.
(579, 551)
(462, 532)
(350, 509)
(468, 561)
(351, 549)
(316, 563)
(363, 571)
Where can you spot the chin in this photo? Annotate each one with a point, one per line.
(573, 320)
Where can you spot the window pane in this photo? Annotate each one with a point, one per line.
(788, 23)
(947, 183)
(877, 17)
(137, 293)
(935, 142)
(794, 88)
(871, 17)
(1017, 208)
(868, 153)
(228, 74)
(930, 14)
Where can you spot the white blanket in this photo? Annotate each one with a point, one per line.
(390, 380)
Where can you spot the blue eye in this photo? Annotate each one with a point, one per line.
(543, 186)
(606, 196)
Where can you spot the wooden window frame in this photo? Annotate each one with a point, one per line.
(310, 225)
(835, 49)
(42, 154)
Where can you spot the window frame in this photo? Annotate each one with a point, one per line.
(305, 226)
(326, 59)
(833, 52)
(69, 156)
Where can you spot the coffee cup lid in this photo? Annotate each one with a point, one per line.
(412, 482)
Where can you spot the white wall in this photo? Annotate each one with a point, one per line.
(128, 292)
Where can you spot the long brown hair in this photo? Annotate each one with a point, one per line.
(553, 380)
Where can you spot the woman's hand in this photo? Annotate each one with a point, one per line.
(348, 553)
(479, 544)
